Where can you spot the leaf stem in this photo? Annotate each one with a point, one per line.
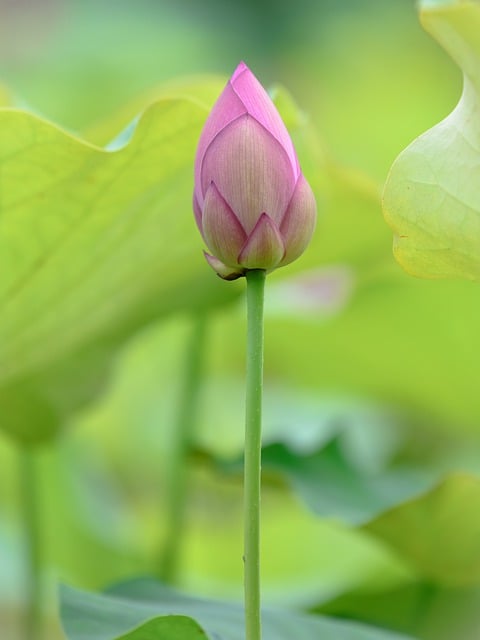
(253, 450)
(177, 480)
(32, 629)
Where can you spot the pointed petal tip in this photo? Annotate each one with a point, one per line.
(221, 269)
(241, 67)
(258, 104)
(264, 248)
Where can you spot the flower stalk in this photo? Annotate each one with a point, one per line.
(253, 448)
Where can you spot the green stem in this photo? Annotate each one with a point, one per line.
(30, 515)
(253, 451)
(177, 481)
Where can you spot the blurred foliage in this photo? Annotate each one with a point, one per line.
(370, 375)
(443, 528)
(431, 612)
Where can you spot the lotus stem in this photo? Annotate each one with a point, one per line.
(253, 451)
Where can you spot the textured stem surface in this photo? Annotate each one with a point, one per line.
(32, 629)
(178, 472)
(253, 451)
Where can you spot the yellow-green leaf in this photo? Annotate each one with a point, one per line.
(93, 245)
(432, 196)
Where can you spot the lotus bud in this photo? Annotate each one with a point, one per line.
(253, 206)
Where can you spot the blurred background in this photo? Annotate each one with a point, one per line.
(372, 409)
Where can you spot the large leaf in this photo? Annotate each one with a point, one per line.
(115, 615)
(92, 241)
(432, 197)
(93, 245)
(438, 532)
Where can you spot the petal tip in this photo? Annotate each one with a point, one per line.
(241, 67)
(221, 269)
(264, 247)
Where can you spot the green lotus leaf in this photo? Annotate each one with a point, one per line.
(167, 628)
(88, 237)
(94, 244)
(432, 195)
(117, 615)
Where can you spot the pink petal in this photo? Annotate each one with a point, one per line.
(259, 105)
(264, 248)
(299, 221)
(226, 273)
(227, 108)
(222, 231)
(198, 213)
(251, 170)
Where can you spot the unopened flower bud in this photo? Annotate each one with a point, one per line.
(253, 206)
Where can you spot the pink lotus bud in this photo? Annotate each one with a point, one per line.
(254, 208)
